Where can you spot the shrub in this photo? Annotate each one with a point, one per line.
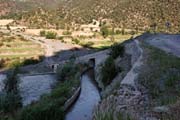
(108, 71)
(51, 35)
(61, 38)
(88, 45)
(9, 102)
(67, 70)
(112, 115)
(44, 111)
(15, 63)
(51, 106)
(2, 63)
(43, 33)
(11, 83)
(30, 61)
(161, 76)
(104, 31)
(123, 32)
(8, 27)
(67, 33)
(11, 99)
(76, 41)
(117, 50)
(118, 32)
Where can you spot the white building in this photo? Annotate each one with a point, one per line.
(94, 27)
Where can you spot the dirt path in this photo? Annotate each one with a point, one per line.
(132, 75)
(128, 97)
(168, 43)
(51, 46)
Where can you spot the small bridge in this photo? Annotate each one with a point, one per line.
(92, 59)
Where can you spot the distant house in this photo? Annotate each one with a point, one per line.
(94, 27)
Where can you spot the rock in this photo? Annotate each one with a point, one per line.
(161, 109)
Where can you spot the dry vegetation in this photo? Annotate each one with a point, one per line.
(14, 50)
(150, 14)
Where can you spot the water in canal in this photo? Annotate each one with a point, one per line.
(88, 99)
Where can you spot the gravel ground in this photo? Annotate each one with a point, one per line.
(2, 78)
(32, 87)
(168, 43)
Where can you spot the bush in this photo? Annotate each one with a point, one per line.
(104, 31)
(88, 45)
(9, 102)
(76, 41)
(118, 32)
(30, 61)
(14, 64)
(161, 77)
(108, 71)
(43, 33)
(61, 38)
(123, 32)
(2, 63)
(66, 33)
(51, 106)
(66, 71)
(45, 111)
(51, 35)
(11, 83)
(117, 50)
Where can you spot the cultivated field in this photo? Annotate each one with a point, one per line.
(15, 50)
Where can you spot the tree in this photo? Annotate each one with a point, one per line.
(51, 35)
(43, 33)
(8, 28)
(104, 31)
(108, 71)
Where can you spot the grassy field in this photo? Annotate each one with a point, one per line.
(102, 43)
(161, 76)
(15, 49)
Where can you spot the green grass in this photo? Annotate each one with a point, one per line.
(161, 76)
(112, 115)
(10, 100)
(16, 48)
(18, 56)
(5, 50)
(101, 44)
(51, 106)
(108, 71)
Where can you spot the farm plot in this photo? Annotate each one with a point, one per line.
(16, 50)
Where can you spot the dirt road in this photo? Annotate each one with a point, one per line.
(168, 43)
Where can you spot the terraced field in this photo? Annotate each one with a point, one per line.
(105, 42)
(16, 49)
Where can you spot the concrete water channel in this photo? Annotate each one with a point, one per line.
(88, 99)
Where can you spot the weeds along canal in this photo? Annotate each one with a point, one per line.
(88, 99)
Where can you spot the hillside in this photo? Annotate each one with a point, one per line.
(125, 13)
(5, 7)
(128, 13)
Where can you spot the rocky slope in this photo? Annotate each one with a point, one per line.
(148, 90)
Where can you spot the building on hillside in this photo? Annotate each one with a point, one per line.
(92, 27)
